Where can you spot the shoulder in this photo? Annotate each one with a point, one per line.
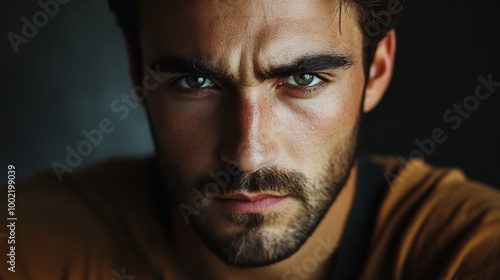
(96, 188)
(437, 222)
(88, 224)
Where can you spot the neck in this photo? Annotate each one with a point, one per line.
(312, 261)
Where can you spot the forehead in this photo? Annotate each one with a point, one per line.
(229, 31)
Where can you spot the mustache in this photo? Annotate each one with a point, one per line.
(267, 179)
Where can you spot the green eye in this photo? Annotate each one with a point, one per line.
(304, 80)
(194, 82)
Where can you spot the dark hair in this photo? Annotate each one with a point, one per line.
(375, 17)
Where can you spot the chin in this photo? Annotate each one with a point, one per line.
(247, 240)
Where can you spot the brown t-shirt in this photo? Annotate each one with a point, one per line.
(105, 223)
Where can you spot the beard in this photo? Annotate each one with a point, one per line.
(247, 240)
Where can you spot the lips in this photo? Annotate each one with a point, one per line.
(250, 203)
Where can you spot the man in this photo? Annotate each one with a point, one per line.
(255, 108)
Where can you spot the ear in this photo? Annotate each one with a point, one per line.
(381, 71)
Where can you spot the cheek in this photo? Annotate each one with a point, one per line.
(186, 138)
(323, 127)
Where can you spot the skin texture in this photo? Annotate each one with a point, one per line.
(259, 122)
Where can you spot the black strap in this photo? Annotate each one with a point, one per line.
(371, 188)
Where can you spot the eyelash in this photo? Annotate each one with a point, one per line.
(189, 92)
(307, 89)
(207, 90)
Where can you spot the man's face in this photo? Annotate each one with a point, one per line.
(273, 87)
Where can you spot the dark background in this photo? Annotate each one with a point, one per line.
(443, 46)
(66, 77)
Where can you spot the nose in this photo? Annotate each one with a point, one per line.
(249, 140)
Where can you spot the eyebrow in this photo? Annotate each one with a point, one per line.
(173, 64)
(309, 64)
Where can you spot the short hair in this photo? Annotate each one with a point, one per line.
(375, 17)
